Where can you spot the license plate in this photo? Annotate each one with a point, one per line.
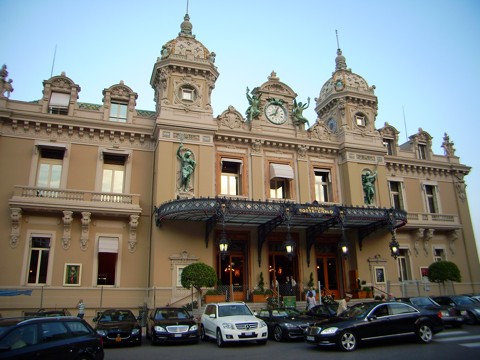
(248, 333)
(178, 335)
(310, 338)
(118, 339)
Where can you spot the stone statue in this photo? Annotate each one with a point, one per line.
(187, 165)
(253, 111)
(297, 111)
(5, 85)
(368, 182)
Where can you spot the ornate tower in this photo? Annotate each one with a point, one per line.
(183, 79)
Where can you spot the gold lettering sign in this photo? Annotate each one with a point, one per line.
(315, 210)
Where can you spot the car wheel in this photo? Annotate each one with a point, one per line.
(347, 341)
(470, 318)
(261, 342)
(278, 333)
(425, 333)
(220, 342)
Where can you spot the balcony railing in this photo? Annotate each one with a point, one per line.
(429, 219)
(38, 198)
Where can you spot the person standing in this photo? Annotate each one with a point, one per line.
(311, 302)
(81, 309)
(342, 304)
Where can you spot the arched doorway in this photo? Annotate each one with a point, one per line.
(328, 268)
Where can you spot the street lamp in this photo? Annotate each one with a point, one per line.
(394, 245)
(344, 244)
(289, 244)
(223, 244)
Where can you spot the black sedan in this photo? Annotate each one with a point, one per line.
(48, 313)
(285, 323)
(118, 327)
(374, 321)
(323, 311)
(172, 324)
(469, 307)
(450, 315)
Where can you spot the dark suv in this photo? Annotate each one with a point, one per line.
(50, 338)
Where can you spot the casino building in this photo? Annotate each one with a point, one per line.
(108, 203)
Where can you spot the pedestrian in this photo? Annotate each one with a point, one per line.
(311, 302)
(342, 304)
(81, 309)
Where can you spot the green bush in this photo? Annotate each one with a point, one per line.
(442, 271)
(198, 275)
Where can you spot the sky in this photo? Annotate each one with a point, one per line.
(423, 56)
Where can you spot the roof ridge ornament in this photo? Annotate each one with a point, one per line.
(340, 61)
(186, 27)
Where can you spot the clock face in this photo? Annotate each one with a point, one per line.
(276, 113)
(332, 125)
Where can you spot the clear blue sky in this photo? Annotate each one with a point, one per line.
(423, 56)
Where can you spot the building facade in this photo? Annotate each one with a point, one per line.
(108, 203)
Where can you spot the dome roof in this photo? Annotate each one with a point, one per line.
(186, 46)
(344, 79)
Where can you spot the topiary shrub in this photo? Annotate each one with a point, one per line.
(198, 275)
(442, 271)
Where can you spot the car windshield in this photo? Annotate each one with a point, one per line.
(357, 311)
(463, 300)
(422, 301)
(171, 314)
(120, 315)
(233, 310)
(285, 313)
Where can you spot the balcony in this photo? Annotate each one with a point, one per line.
(434, 221)
(98, 203)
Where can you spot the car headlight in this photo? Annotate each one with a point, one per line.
(193, 328)
(288, 325)
(159, 329)
(263, 323)
(463, 313)
(228, 326)
(330, 330)
(476, 310)
(135, 332)
(102, 332)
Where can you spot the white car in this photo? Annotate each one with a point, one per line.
(232, 321)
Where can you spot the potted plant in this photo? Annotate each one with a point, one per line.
(214, 295)
(259, 291)
(365, 292)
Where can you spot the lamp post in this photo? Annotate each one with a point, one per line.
(289, 244)
(394, 245)
(224, 244)
(344, 244)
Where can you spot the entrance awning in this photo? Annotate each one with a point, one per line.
(266, 216)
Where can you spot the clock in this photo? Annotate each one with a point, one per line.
(275, 113)
(332, 125)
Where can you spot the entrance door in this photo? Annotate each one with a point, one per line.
(279, 269)
(232, 276)
(327, 274)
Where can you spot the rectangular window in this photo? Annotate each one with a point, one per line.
(279, 188)
(59, 103)
(439, 254)
(431, 198)
(49, 171)
(38, 262)
(230, 179)
(322, 185)
(118, 112)
(388, 143)
(403, 262)
(107, 260)
(113, 173)
(396, 195)
(360, 120)
(422, 151)
(187, 94)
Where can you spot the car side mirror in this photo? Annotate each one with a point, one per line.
(372, 317)
(255, 313)
(212, 316)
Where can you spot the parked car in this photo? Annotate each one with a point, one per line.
(285, 323)
(374, 321)
(470, 308)
(323, 311)
(171, 324)
(450, 315)
(48, 312)
(232, 321)
(53, 338)
(118, 327)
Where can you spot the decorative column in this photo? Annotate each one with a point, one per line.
(132, 241)
(67, 228)
(85, 230)
(15, 216)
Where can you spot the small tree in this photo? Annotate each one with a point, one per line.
(198, 275)
(442, 271)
